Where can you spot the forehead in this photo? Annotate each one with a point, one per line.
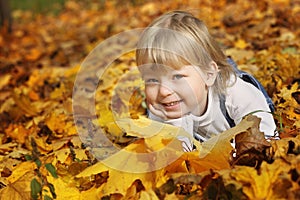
(159, 70)
(164, 67)
(154, 68)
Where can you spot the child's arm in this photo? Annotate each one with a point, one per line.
(244, 98)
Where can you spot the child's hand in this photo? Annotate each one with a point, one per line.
(158, 112)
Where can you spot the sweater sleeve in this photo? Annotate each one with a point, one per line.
(244, 98)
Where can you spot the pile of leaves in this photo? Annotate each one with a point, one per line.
(45, 154)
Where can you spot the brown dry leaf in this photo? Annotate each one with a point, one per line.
(217, 149)
(251, 146)
(232, 16)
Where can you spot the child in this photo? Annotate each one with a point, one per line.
(187, 75)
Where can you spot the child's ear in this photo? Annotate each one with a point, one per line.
(211, 74)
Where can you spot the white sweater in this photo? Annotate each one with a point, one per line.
(241, 99)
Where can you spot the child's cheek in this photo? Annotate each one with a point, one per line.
(150, 95)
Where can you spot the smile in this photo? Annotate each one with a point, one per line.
(173, 103)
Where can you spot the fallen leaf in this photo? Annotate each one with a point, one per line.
(18, 189)
(20, 170)
(269, 183)
(60, 189)
(251, 146)
(217, 149)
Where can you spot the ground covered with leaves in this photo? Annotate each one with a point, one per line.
(43, 156)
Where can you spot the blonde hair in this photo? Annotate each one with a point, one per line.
(178, 38)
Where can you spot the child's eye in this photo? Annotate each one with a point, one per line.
(151, 81)
(178, 76)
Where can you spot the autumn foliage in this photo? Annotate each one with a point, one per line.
(46, 154)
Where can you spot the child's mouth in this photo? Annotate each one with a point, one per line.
(173, 103)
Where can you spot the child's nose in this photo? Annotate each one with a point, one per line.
(165, 90)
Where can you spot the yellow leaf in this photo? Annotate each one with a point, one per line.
(241, 44)
(91, 194)
(64, 190)
(20, 170)
(18, 132)
(4, 80)
(148, 195)
(44, 147)
(171, 196)
(72, 72)
(62, 154)
(191, 163)
(281, 147)
(60, 124)
(239, 54)
(217, 149)
(59, 92)
(123, 179)
(146, 128)
(33, 95)
(25, 105)
(267, 183)
(19, 189)
(33, 54)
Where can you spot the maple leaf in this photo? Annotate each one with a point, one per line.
(251, 146)
(270, 182)
(217, 149)
(124, 179)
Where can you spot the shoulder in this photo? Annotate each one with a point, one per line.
(243, 97)
(241, 89)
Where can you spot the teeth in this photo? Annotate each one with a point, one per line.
(172, 103)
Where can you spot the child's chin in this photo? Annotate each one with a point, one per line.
(174, 115)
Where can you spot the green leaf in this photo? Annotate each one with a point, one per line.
(38, 163)
(46, 197)
(290, 50)
(28, 157)
(52, 190)
(36, 188)
(51, 169)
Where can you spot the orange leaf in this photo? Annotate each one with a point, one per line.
(33, 54)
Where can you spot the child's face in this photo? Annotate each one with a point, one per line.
(170, 93)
